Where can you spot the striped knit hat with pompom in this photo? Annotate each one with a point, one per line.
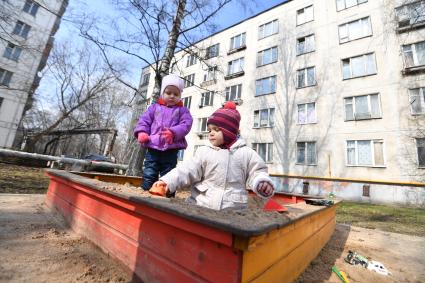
(227, 119)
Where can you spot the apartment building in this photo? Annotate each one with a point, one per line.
(26, 37)
(329, 88)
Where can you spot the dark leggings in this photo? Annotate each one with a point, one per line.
(157, 163)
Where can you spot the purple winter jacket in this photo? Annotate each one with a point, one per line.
(160, 117)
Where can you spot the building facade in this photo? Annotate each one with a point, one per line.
(26, 38)
(328, 88)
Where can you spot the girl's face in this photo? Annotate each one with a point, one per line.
(171, 95)
(215, 135)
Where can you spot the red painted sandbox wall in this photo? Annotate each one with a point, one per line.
(157, 246)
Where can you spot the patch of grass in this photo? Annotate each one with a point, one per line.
(22, 180)
(403, 220)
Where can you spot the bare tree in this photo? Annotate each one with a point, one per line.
(80, 80)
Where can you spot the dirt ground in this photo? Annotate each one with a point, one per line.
(35, 244)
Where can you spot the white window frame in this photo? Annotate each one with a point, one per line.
(420, 143)
(417, 100)
(414, 57)
(270, 118)
(1, 102)
(269, 53)
(238, 41)
(306, 44)
(145, 80)
(271, 83)
(307, 145)
(303, 108)
(213, 51)
(21, 29)
(410, 15)
(347, 31)
(211, 74)
(268, 153)
(235, 66)
(31, 7)
(304, 75)
(12, 52)
(352, 101)
(180, 155)
(234, 92)
(268, 29)
(191, 59)
(202, 125)
(5, 77)
(207, 99)
(189, 80)
(364, 63)
(342, 4)
(303, 17)
(356, 153)
(187, 101)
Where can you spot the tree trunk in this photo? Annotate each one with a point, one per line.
(135, 166)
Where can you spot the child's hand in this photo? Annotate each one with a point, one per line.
(143, 137)
(265, 189)
(168, 136)
(159, 188)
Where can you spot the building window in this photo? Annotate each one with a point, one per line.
(233, 92)
(414, 54)
(264, 118)
(306, 153)
(267, 56)
(5, 77)
(202, 125)
(365, 152)
(186, 101)
(265, 86)
(305, 44)
(420, 144)
(306, 77)
(21, 29)
(180, 155)
(1, 102)
(31, 7)
(355, 30)
(210, 74)
(411, 14)
(417, 100)
(238, 41)
(359, 66)
(212, 51)
(305, 15)
(264, 150)
(12, 52)
(191, 60)
(235, 66)
(307, 113)
(345, 4)
(207, 99)
(362, 107)
(189, 80)
(268, 29)
(366, 190)
(145, 79)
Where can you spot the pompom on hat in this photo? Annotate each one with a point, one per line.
(227, 119)
(173, 80)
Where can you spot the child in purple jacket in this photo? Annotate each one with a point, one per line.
(162, 130)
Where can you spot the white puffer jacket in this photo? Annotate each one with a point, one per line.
(219, 177)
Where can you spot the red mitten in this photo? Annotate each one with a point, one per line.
(168, 136)
(143, 137)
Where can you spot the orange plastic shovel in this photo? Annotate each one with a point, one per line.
(272, 205)
(158, 190)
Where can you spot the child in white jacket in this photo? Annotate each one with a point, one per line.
(220, 173)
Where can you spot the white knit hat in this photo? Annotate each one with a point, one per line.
(173, 80)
